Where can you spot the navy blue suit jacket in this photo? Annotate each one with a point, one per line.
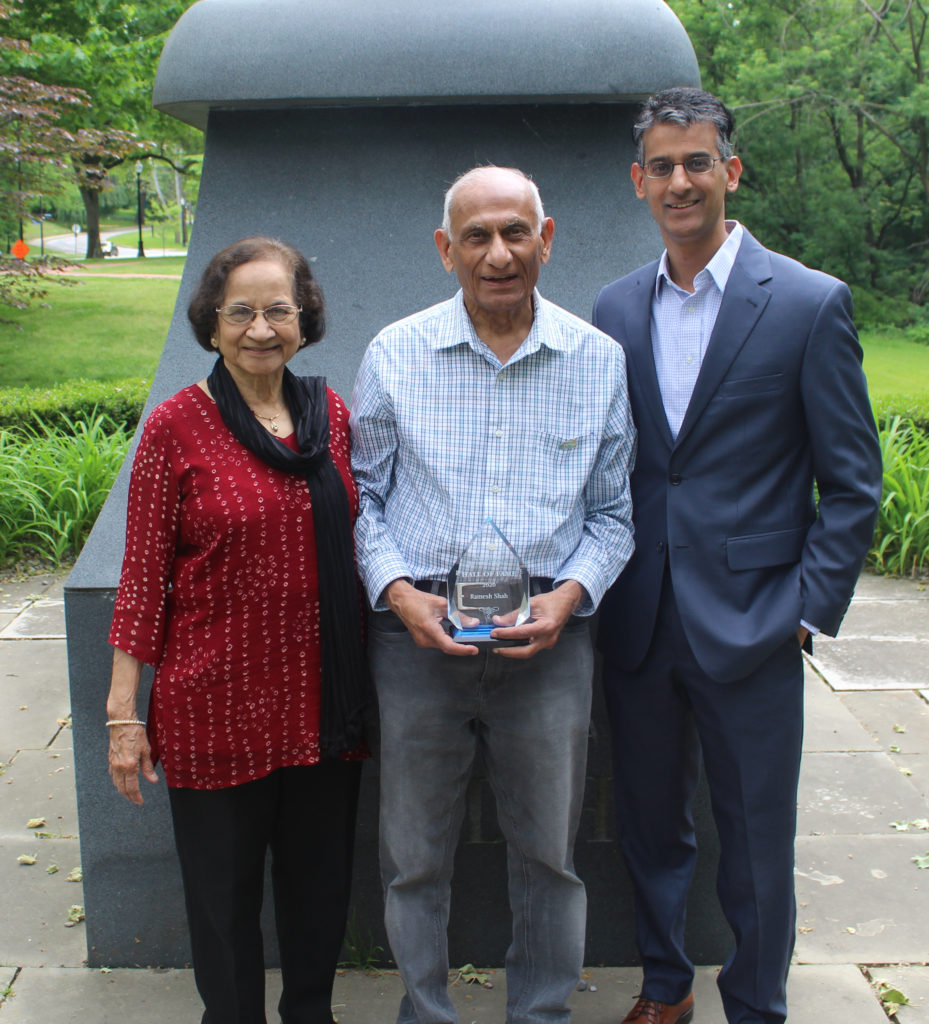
(780, 401)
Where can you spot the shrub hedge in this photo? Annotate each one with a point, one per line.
(122, 401)
(887, 408)
(58, 408)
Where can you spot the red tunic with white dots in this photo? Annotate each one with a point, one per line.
(219, 592)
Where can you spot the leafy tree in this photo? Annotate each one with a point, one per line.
(109, 49)
(832, 99)
(31, 140)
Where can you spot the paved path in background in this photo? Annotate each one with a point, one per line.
(94, 273)
(65, 245)
(863, 902)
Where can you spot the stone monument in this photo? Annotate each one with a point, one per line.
(337, 125)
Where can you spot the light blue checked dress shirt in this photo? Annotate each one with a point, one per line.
(682, 323)
(443, 436)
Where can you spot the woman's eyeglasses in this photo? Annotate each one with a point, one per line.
(278, 315)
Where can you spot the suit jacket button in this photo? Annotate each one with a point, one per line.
(659, 547)
(675, 479)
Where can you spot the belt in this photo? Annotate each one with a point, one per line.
(537, 585)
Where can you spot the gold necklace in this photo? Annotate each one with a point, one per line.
(270, 420)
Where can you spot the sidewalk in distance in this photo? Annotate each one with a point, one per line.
(864, 805)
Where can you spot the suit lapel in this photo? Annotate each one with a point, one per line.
(640, 357)
(743, 303)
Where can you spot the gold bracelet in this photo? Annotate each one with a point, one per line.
(125, 721)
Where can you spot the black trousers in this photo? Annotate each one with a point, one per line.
(306, 816)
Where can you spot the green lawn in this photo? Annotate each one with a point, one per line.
(894, 365)
(108, 329)
(103, 329)
(173, 265)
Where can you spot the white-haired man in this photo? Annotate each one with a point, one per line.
(497, 404)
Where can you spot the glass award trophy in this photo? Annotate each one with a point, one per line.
(488, 581)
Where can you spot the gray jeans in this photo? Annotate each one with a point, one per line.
(531, 720)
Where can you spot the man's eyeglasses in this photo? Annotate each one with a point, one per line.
(699, 164)
(280, 314)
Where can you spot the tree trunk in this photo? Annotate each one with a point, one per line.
(156, 181)
(92, 207)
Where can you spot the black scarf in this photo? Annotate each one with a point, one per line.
(344, 672)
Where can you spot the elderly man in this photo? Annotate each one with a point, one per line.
(747, 387)
(493, 405)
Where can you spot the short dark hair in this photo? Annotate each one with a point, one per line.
(684, 106)
(212, 287)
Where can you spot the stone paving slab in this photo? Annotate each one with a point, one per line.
(854, 794)
(7, 977)
(884, 617)
(861, 899)
(33, 694)
(913, 982)
(895, 718)
(918, 767)
(84, 996)
(42, 620)
(816, 995)
(34, 588)
(36, 904)
(875, 663)
(819, 994)
(871, 587)
(830, 725)
(33, 607)
(16, 598)
(39, 784)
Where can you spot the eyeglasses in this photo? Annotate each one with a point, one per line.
(279, 314)
(699, 164)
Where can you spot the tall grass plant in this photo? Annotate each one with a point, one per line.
(53, 483)
(901, 540)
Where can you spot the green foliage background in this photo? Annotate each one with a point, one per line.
(831, 99)
(110, 50)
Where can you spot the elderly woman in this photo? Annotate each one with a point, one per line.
(239, 586)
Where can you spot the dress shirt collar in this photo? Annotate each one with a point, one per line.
(718, 269)
(460, 331)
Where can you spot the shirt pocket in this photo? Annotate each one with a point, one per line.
(564, 463)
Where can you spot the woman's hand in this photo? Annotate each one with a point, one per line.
(129, 751)
(130, 754)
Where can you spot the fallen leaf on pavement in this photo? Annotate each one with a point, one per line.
(75, 915)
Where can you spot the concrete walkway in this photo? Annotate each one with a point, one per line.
(864, 817)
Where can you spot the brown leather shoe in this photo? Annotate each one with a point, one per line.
(650, 1011)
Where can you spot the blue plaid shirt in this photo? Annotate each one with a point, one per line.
(443, 436)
